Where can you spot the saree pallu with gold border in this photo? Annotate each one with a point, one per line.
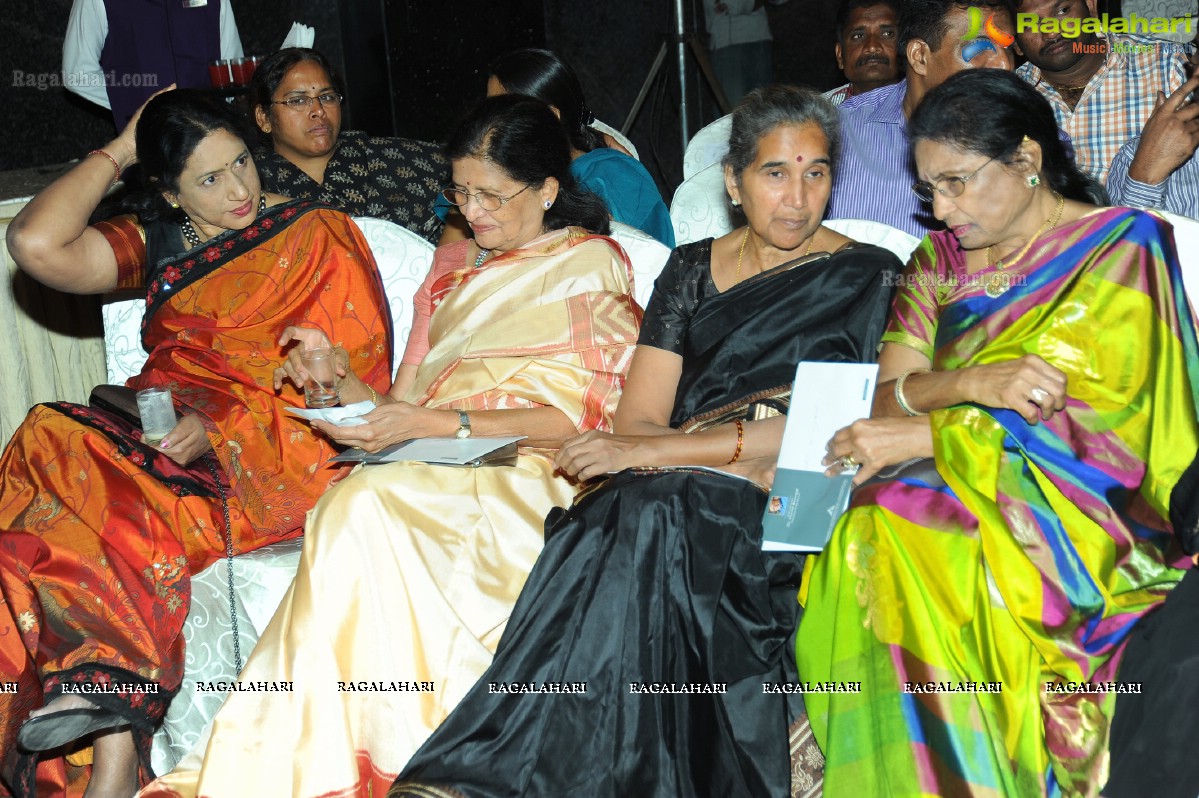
(1021, 576)
(656, 580)
(99, 532)
(410, 571)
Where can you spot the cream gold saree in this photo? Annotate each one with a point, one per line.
(410, 571)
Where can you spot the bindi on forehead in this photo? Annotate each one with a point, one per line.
(799, 159)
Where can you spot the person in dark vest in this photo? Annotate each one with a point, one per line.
(116, 54)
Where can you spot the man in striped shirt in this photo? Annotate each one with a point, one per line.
(874, 175)
(1103, 88)
(867, 46)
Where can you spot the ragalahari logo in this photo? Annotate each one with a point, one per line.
(983, 36)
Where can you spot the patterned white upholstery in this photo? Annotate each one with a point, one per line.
(877, 233)
(260, 577)
(404, 259)
(700, 208)
(648, 255)
(708, 146)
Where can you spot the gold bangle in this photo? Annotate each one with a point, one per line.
(740, 442)
(115, 165)
(900, 399)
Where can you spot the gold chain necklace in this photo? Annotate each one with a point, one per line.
(1001, 281)
(741, 252)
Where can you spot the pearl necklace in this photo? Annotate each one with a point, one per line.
(483, 253)
(193, 238)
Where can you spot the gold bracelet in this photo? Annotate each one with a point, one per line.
(374, 396)
(740, 442)
(115, 165)
(900, 399)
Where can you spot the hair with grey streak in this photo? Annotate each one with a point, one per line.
(766, 108)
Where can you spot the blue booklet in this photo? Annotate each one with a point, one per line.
(804, 504)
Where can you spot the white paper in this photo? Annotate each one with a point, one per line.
(804, 504)
(826, 397)
(341, 415)
(298, 36)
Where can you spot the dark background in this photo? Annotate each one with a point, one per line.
(412, 67)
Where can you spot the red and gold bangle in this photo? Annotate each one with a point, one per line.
(115, 165)
(740, 442)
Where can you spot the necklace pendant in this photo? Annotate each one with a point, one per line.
(997, 284)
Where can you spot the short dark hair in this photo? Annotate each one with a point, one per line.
(849, 6)
(170, 128)
(544, 75)
(274, 68)
(989, 112)
(765, 108)
(925, 19)
(522, 137)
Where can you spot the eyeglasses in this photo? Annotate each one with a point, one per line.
(302, 102)
(947, 186)
(487, 201)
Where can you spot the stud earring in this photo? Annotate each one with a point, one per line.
(175, 205)
(1033, 181)
(548, 203)
(736, 203)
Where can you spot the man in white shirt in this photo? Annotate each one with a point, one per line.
(739, 38)
(117, 54)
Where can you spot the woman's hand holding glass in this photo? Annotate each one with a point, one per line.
(306, 338)
(187, 441)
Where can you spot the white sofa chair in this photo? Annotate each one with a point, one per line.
(1186, 238)
(877, 233)
(648, 256)
(708, 146)
(700, 208)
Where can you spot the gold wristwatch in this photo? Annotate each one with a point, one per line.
(463, 425)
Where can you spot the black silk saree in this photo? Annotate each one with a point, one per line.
(652, 592)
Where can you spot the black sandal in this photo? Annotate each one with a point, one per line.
(56, 729)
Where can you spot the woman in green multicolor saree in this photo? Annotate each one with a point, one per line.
(1041, 351)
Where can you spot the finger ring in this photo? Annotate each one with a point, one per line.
(847, 463)
(1039, 395)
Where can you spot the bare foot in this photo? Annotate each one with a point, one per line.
(114, 765)
(61, 703)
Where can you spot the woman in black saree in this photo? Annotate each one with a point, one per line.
(653, 590)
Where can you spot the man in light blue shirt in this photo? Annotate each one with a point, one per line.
(874, 175)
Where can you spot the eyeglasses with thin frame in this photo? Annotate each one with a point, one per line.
(487, 201)
(950, 187)
(302, 102)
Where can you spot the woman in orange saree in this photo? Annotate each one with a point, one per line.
(99, 530)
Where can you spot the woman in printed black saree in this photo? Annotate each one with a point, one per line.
(658, 574)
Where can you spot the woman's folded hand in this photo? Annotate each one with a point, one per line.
(594, 454)
(1028, 385)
